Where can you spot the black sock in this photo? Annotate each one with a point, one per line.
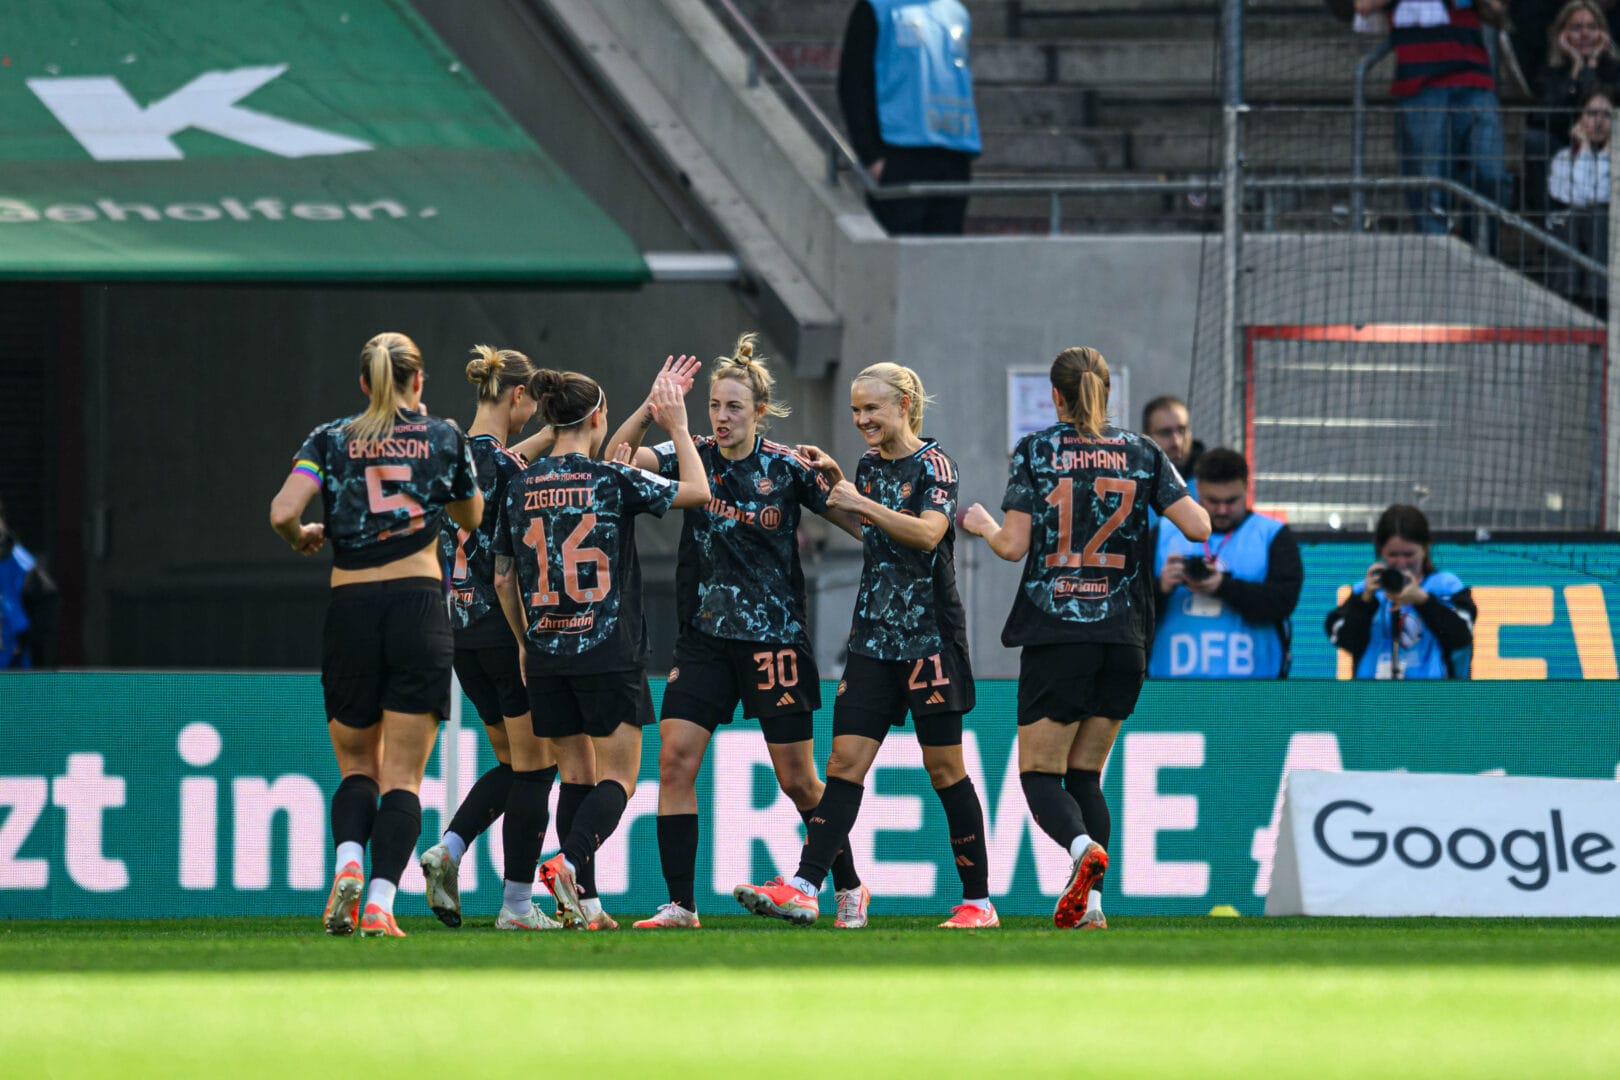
(965, 817)
(677, 852)
(1086, 787)
(828, 828)
(598, 816)
(354, 810)
(484, 803)
(843, 867)
(568, 803)
(1055, 810)
(394, 836)
(527, 812)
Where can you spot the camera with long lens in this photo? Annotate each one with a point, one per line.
(1196, 570)
(1391, 580)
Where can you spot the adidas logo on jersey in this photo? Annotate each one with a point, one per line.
(936, 698)
(784, 701)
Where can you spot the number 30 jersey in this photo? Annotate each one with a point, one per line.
(569, 524)
(384, 498)
(1089, 572)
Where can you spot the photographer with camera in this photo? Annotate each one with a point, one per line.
(1407, 620)
(1225, 603)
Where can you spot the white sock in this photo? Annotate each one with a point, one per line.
(983, 903)
(381, 893)
(1094, 900)
(517, 896)
(803, 886)
(456, 846)
(1078, 848)
(350, 852)
(591, 905)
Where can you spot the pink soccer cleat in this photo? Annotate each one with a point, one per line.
(971, 917)
(779, 900)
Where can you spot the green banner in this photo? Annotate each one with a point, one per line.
(148, 794)
(273, 140)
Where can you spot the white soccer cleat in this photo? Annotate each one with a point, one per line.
(852, 907)
(441, 875)
(1093, 919)
(533, 919)
(671, 917)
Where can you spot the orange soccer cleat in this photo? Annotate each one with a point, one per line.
(379, 923)
(558, 876)
(1071, 906)
(343, 905)
(971, 917)
(779, 900)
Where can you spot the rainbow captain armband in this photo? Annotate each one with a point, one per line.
(309, 469)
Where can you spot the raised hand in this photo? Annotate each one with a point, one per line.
(667, 404)
(683, 369)
(624, 453)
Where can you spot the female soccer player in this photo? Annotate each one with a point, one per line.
(486, 651)
(743, 635)
(387, 477)
(907, 646)
(1076, 508)
(1407, 620)
(567, 538)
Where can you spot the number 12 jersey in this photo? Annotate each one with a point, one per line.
(1089, 572)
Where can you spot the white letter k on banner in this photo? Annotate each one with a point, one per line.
(107, 122)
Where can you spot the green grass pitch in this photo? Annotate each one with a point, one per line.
(1150, 997)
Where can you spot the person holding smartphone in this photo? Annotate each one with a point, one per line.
(1405, 619)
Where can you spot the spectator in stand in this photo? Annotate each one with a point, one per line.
(1446, 121)
(1225, 603)
(1578, 184)
(1406, 620)
(1580, 56)
(28, 606)
(906, 92)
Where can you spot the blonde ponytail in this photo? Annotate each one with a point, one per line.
(496, 371)
(1080, 376)
(387, 364)
(743, 366)
(902, 383)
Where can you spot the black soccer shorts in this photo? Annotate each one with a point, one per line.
(1070, 682)
(491, 678)
(596, 705)
(386, 645)
(777, 684)
(875, 695)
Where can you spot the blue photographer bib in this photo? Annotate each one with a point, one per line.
(924, 85)
(1203, 638)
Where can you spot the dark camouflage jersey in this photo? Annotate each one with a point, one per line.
(385, 499)
(908, 606)
(569, 523)
(737, 575)
(1089, 572)
(475, 610)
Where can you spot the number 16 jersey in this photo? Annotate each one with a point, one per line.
(569, 523)
(1089, 572)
